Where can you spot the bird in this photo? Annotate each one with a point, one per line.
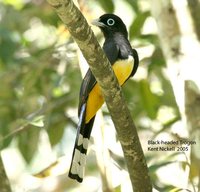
(124, 60)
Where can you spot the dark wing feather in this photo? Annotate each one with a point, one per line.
(88, 83)
(136, 61)
(111, 50)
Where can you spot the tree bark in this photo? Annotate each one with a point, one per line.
(4, 182)
(101, 68)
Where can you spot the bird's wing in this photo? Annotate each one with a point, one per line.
(88, 83)
(136, 61)
(111, 50)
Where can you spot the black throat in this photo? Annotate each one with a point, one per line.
(117, 46)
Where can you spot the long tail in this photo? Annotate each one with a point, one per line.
(78, 162)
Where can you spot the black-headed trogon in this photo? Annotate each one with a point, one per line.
(124, 61)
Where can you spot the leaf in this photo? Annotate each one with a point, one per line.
(4, 142)
(157, 60)
(168, 97)
(8, 45)
(179, 190)
(132, 93)
(117, 189)
(55, 130)
(136, 26)
(145, 39)
(150, 101)
(59, 167)
(28, 142)
(38, 121)
(107, 5)
(134, 5)
(47, 171)
(155, 167)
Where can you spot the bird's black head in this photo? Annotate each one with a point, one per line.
(111, 24)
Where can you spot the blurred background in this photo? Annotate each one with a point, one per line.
(40, 77)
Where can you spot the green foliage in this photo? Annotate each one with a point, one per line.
(137, 24)
(134, 5)
(117, 189)
(28, 142)
(107, 5)
(148, 99)
(33, 93)
(40, 78)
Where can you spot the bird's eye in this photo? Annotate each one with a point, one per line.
(110, 22)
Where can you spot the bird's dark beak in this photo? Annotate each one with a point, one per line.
(97, 23)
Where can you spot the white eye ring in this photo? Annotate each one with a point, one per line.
(110, 22)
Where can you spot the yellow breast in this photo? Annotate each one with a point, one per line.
(122, 70)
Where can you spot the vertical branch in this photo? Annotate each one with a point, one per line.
(111, 91)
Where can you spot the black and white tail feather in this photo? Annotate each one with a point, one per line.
(78, 162)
